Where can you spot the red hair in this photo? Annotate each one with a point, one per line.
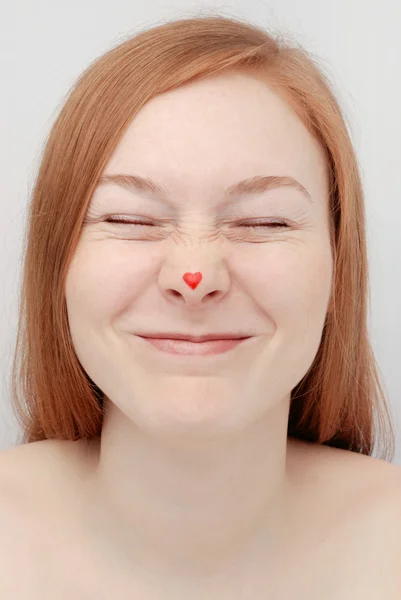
(338, 399)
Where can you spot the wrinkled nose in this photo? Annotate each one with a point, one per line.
(194, 287)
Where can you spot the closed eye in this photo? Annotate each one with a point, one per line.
(249, 225)
(126, 222)
(266, 224)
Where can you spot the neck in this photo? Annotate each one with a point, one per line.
(196, 506)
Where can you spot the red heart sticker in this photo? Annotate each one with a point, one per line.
(192, 279)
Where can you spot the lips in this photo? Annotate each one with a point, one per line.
(195, 338)
(190, 348)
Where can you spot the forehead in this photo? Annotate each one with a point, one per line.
(204, 135)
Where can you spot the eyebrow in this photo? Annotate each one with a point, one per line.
(251, 185)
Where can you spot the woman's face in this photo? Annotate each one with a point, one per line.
(271, 282)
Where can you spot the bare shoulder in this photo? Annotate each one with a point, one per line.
(38, 484)
(366, 484)
(28, 463)
(35, 475)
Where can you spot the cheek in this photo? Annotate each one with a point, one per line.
(290, 280)
(292, 290)
(104, 278)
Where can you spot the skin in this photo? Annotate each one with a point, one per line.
(193, 478)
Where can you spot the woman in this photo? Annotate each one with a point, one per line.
(199, 184)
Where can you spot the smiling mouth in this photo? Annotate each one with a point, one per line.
(188, 348)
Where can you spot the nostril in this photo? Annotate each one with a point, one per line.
(213, 294)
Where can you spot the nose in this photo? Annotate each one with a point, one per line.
(194, 286)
